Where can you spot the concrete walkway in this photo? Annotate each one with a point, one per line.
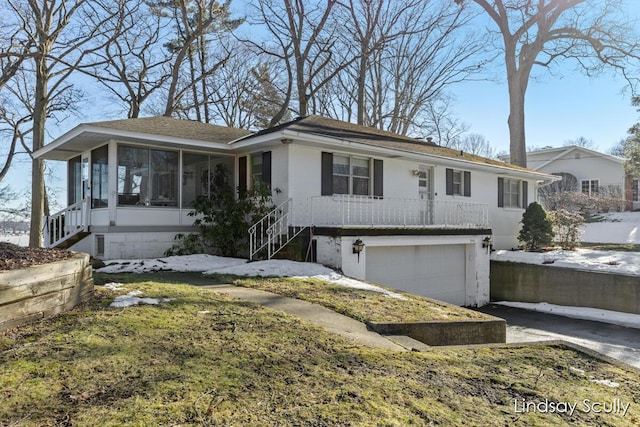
(314, 313)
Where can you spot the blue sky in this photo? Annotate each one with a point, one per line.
(564, 106)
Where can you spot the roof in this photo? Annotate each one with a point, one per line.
(323, 126)
(554, 153)
(168, 126)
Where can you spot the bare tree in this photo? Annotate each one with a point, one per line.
(61, 40)
(474, 143)
(133, 65)
(306, 37)
(542, 32)
(440, 123)
(415, 68)
(580, 141)
(193, 21)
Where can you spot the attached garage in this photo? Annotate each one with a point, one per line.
(435, 271)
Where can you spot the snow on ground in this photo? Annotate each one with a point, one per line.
(186, 263)
(132, 298)
(586, 259)
(16, 239)
(615, 317)
(209, 264)
(618, 227)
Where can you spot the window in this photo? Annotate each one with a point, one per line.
(256, 168)
(351, 175)
(590, 186)
(458, 182)
(634, 187)
(74, 180)
(198, 175)
(342, 174)
(100, 177)
(147, 177)
(512, 193)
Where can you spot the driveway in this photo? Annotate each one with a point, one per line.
(615, 341)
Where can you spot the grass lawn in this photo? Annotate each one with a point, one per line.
(364, 305)
(206, 359)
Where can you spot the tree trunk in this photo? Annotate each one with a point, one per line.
(517, 147)
(37, 170)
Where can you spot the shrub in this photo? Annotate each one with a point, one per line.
(223, 218)
(566, 226)
(536, 228)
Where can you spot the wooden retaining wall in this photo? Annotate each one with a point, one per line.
(40, 291)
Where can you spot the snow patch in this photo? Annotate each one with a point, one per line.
(186, 263)
(132, 298)
(607, 316)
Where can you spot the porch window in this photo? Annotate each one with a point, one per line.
(100, 177)
(198, 175)
(351, 175)
(147, 177)
(74, 180)
(513, 193)
(590, 186)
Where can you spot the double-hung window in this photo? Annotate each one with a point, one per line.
(590, 186)
(351, 175)
(634, 188)
(512, 193)
(458, 183)
(344, 174)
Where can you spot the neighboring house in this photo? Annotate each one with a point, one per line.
(379, 206)
(595, 172)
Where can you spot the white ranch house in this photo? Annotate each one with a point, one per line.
(594, 171)
(426, 215)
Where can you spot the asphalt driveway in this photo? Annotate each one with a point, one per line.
(615, 341)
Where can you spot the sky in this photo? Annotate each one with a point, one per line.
(559, 107)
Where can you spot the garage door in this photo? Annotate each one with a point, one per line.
(434, 271)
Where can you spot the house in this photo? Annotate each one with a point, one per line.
(379, 206)
(594, 172)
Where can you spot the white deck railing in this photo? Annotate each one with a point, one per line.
(64, 224)
(347, 210)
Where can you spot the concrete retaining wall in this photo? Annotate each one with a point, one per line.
(40, 291)
(533, 283)
(448, 333)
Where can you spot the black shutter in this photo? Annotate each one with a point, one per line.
(242, 176)
(327, 174)
(500, 192)
(377, 178)
(525, 194)
(266, 168)
(449, 176)
(467, 183)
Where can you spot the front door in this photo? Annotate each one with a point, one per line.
(425, 193)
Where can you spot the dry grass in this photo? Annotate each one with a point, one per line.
(363, 305)
(205, 359)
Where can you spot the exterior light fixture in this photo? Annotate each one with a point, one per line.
(286, 140)
(358, 246)
(415, 172)
(487, 243)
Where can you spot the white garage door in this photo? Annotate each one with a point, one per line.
(434, 271)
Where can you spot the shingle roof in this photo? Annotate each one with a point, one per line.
(168, 126)
(323, 126)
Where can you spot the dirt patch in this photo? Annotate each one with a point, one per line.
(13, 256)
